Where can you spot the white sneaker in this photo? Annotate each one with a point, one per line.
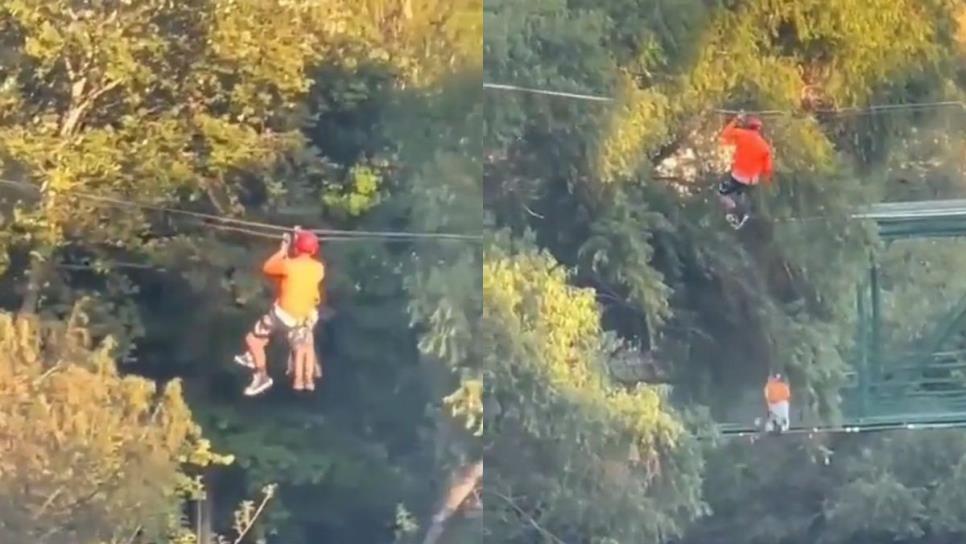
(260, 384)
(736, 222)
(245, 360)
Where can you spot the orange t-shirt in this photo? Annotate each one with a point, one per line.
(297, 283)
(752, 153)
(777, 391)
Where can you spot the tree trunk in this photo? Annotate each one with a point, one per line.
(70, 123)
(463, 482)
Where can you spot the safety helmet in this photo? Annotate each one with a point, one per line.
(306, 243)
(753, 123)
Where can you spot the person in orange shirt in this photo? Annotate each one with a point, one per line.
(294, 312)
(752, 161)
(778, 396)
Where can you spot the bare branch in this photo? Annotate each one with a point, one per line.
(269, 493)
(532, 522)
(463, 486)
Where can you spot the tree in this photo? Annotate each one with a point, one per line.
(89, 455)
(619, 190)
(619, 193)
(280, 112)
(196, 97)
(569, 454)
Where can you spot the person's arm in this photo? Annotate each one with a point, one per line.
(729, 135)
(275, 265)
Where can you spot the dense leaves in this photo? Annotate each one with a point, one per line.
(619, 194)
(612, 462)
(278, 112)
(88, 455)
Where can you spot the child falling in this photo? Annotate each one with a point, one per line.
(752, 161)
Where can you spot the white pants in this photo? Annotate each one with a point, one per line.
(777, 417)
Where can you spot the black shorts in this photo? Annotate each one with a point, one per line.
(731, 186)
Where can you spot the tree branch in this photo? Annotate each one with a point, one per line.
(457, 493)
(269, 493)
(520, 511)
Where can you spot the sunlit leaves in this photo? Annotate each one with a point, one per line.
(563, 431)
(97, 455)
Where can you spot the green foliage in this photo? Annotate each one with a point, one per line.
(96, 456)
(555, 163)
(898, 487)
(364, 192)
(620, 193)
(591, 459)
(289, 113)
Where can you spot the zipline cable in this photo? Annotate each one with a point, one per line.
(867, 110)
(222, 222)
(589, 97)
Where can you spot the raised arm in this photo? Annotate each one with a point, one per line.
(275, 265)
(729, 135)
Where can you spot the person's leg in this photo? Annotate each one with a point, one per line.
(781, 413)
(306, 366)
(743, 203)
(256, 347)
(726, 190)
(257, 338)
(313, 370)
(295, 338)
(256, 341)
(731, 193)
(298, 358)
(313, 355)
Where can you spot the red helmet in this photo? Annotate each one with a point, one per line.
(753, 123)
(306, 243)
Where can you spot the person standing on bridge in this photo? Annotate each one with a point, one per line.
(778, 396)
(752, 161)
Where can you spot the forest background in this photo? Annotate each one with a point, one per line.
(620, 314)
(121, 321)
